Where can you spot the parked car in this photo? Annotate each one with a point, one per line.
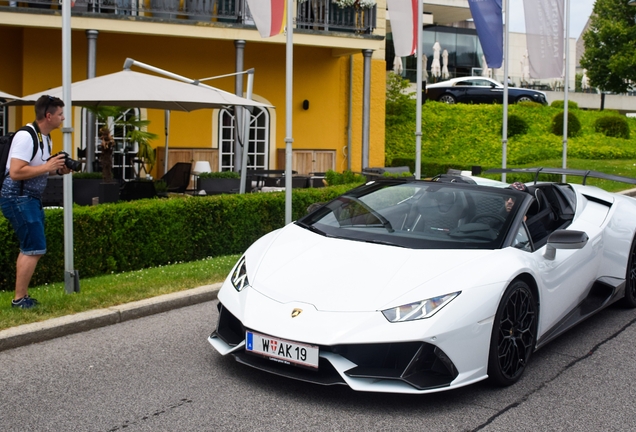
(480, 90)
(411, 286)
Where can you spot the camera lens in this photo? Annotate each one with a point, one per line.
(72, 164)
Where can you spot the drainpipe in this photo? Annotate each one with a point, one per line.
(349, 113)
(366, 107)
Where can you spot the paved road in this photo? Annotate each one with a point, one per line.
(158, 373)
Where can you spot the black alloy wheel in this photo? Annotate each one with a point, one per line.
(514, 334)
(630, 278)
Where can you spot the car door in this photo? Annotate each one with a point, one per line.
(483, 91)
(566, 280)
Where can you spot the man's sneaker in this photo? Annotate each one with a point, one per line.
(23, 303)
(35, 302)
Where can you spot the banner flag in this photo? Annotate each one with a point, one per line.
(270, 16)
(487, 15)
(403, 16)
(544, 37)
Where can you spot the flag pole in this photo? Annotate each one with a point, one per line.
(566, 85)
(418, 111)
(504, 129)
(289, 76)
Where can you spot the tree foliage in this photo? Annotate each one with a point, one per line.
(610, 46)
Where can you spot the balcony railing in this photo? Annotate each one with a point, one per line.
(319, 15)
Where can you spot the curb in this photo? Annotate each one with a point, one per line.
(27, 334)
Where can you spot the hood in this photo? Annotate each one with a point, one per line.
(339, 275)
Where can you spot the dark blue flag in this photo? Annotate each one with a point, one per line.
(489, 24)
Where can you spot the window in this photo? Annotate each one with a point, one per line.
(125, 149)
(258, 148)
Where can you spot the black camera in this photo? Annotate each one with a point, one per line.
(70, 163)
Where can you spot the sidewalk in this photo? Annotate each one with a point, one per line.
(41, 331)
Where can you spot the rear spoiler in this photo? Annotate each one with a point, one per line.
(563, 171)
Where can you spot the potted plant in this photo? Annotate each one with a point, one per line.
(161, 187)
(219, 182)
(112, 117)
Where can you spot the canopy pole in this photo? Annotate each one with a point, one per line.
(167, 130)
(246, 132)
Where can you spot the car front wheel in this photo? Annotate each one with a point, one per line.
(447, 98)
(514, 334)
(524, 99)
(630, 278)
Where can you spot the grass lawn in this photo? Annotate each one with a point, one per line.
(115, 289)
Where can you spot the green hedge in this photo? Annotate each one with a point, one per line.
(465, 135)
(113, 238)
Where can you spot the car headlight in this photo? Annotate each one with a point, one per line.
(419, 310)
(239, 275)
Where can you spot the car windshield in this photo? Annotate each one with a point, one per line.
(420, 215)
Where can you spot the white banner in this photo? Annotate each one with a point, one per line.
(544, 37)
(403, 15)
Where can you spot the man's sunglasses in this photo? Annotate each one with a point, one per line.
(48, 104)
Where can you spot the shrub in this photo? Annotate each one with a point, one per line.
(612, 126)
(334, 178)
(87, 175)
(530, 104)
(574, 125)
(220, 174)
(516, 125)
(560, 104)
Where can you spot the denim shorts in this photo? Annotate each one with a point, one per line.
(27, 218)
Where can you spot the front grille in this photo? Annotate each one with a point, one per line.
(419, 364)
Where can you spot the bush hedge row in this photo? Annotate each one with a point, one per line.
(464, 134)
(147, 233)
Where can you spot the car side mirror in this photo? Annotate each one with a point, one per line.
(563, 239)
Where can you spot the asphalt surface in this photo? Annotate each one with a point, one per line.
(57, 327)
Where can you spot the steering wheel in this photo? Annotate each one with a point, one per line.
(488, 216)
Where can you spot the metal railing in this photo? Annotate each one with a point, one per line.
(319, 15)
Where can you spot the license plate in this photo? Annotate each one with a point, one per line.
(281, 350)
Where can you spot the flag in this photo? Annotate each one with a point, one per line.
(403, 15)
(489, 24)
(270, 16)
(544, 37)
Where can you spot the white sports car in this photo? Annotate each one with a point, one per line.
(422, 286)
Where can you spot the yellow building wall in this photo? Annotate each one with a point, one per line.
(319, 77)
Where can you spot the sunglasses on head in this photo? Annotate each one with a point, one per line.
(48, 103)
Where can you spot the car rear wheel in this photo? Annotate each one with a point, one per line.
(524, 99)
(630, 278)
(514, 334)
(447, 98)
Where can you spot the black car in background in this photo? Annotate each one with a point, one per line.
(480, 90)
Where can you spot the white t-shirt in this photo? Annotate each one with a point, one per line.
(22, 148)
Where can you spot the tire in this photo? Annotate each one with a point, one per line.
(514, 334)
(447, 98)
(524, 99)
(630, 278)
